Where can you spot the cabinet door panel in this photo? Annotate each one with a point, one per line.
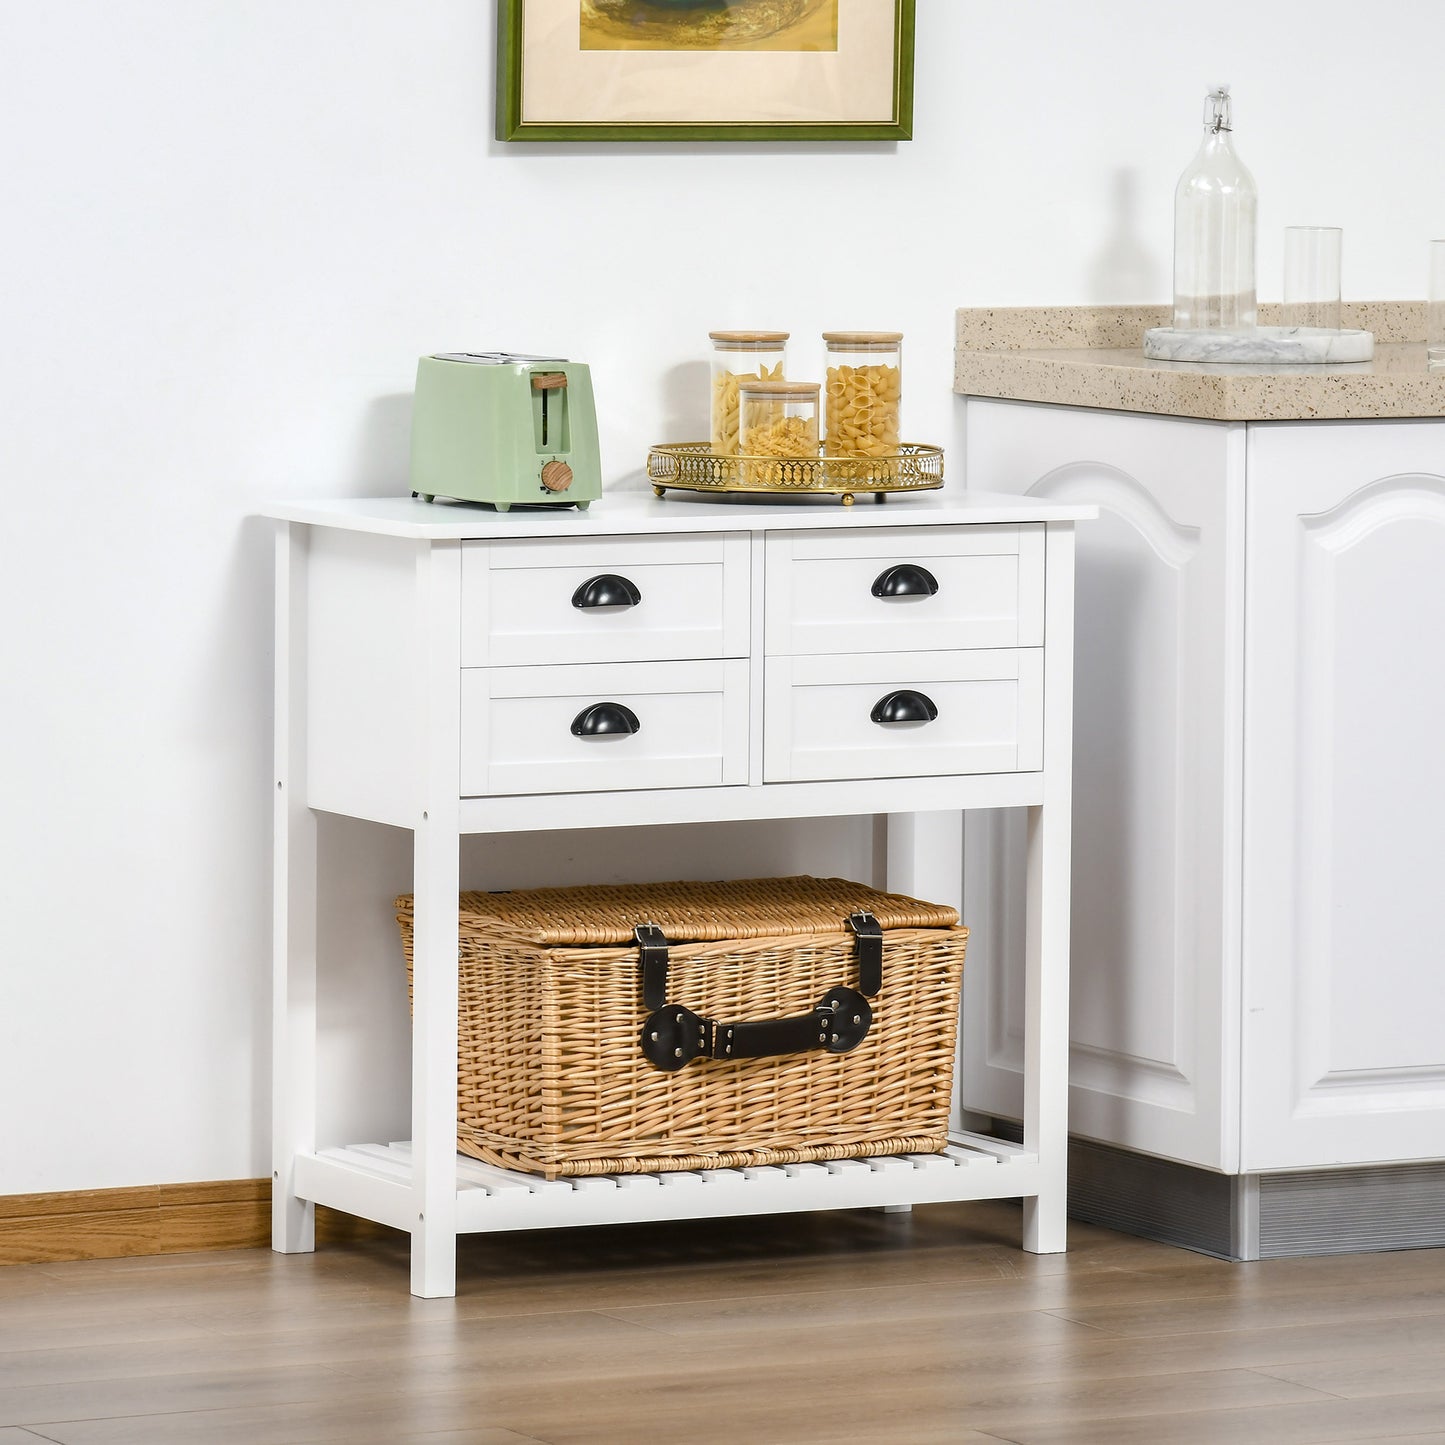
(1344, 1054)
(1153, 1017)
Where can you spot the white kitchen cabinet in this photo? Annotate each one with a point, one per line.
(1344, 818)
(1259, 791)
(435, 670)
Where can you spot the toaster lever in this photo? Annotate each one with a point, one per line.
(548, 380)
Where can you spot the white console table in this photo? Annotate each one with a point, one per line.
(429, 659)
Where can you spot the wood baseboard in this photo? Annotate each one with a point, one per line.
(151, 1219)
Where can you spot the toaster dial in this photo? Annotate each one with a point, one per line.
(556, 476)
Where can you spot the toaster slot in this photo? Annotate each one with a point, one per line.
(550, 429)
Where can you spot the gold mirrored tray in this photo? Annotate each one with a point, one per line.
(695, 467)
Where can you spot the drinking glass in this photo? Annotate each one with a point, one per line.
(1312, 276)
(1435, 307)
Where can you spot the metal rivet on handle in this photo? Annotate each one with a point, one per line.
(677, 1053)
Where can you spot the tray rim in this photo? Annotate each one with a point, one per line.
(843, 486)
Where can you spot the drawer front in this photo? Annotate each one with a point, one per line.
(820, 715)
(944, 588)
(691, 721)
(518, 605)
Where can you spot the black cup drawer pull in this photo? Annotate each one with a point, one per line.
(905, 706)
(608, 590)
(905, 580)
(604, 717)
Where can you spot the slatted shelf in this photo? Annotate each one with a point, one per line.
(378, 1178)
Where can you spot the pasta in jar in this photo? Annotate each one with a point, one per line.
(739, 357)
(778, 419)
(864, 391)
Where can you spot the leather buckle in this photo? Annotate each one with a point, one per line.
(869, 935)
(652, 964)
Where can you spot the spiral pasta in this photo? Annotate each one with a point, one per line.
(769, 431)
(788, 436)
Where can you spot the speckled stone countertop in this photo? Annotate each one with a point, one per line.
(1092, 356)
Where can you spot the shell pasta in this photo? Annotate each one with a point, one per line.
(862, 411)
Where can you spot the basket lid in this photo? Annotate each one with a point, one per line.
(694, 912)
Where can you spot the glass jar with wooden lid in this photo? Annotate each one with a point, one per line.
(776, 419)
(864, 393)
(739, 356)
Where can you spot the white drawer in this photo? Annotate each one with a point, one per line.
(819, 715)
(520, 600)
(821, 589)
(517, 727)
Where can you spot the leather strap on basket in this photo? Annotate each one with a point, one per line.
(673, 1036)
(652, 964)
(869, 933)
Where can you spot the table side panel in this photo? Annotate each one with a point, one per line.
(365, 727)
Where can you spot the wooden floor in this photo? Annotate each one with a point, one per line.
(835, 1327)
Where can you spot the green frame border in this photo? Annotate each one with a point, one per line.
(510, 126)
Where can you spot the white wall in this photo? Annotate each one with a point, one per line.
(228, 229)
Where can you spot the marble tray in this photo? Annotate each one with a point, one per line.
(1265, 345)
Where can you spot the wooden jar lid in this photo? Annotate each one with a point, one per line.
(862, 338)
(780, 388)
(727, 339)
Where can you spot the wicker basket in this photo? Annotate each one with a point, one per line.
(552, 1075)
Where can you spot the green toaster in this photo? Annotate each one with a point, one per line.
(507, 430)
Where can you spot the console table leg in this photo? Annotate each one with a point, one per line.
(436, 873)
(434, 1063)
(293, 938)
(1046, 974)
(1046, 1043)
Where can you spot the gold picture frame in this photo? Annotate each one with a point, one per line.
(688, 70)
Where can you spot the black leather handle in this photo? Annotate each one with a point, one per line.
(672, 1037)
(839, 1024)
(905, 580)
(904, 706)
(608, 590)
(604, 717)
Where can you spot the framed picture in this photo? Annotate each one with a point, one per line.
(704, 70)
